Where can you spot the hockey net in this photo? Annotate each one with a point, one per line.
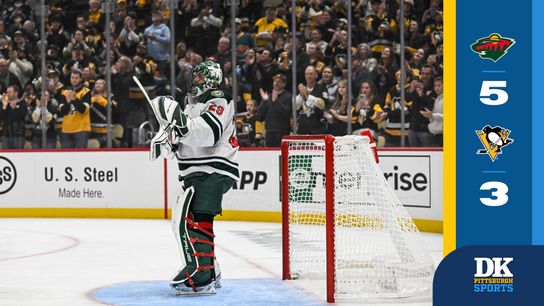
(343, 222)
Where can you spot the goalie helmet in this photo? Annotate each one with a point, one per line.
(206, 75)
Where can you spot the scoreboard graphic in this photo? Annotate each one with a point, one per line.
(494, 212)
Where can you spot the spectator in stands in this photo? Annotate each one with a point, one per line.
(75, 110)
(3, 29)
(20, 66)
(427, 74)
(418, 60)
(276, 111)
(122, 73)
(379, 28)
(81, 24)
(263, 70)
(337, 115)
(270, 21)
(331, 84)
(310, 103)
(337, 50)
(358, 74)
(436, 115)
(89, 76)
(244, 41)
(7, 78)
(393, 108)
(415, 39)
(129, 36)
(208, 27)
(12, 116)
(99, 104)
(439, 64)
(21, 43)
(158, 38)
(419, 134)
(53, 57)
(77, 61)
(326, 24)
(29, 98)
(56, 34)
(223, 53)
(95, 15)
(315, 37)
(367, 112)
(316, 57)
(51, 106)
(121, 12)
(385, 76)
(249, 130)
(365, 56)
(77, 41)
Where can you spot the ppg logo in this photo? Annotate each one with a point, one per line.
(493, 267)
(8, 175)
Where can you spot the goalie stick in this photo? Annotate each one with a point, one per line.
(164, 137)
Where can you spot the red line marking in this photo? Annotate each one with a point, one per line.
(74, 242)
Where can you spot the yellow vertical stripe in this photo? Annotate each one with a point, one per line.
(449, 126)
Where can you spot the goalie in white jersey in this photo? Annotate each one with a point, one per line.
(204, 140)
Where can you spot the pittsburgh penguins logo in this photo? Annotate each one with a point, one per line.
(493, 140)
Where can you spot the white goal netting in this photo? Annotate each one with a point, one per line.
(378, 250)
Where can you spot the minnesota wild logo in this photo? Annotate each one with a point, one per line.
(493, 47)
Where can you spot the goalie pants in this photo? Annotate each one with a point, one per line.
(193, 226)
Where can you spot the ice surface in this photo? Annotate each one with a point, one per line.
(128, 262)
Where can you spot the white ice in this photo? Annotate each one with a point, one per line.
(64, 261)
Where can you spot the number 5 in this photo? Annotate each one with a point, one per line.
(499, 194)
(490, 88)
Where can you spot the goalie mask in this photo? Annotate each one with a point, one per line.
(206, 75)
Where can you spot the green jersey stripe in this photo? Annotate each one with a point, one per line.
(213, 126)
(207, 158)
(216, 165)
(161, 108)
(216, 120)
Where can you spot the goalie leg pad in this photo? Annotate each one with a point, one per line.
(194, 235)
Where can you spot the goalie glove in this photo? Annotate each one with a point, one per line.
(169, 115)
(163, 144)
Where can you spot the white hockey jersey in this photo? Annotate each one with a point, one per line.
(211, 145)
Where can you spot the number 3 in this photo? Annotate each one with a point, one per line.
(499, 194)
(490, 88)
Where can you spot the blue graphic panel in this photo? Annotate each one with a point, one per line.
(490, 276)
(247, 292)
(484, 71)
(538, 110)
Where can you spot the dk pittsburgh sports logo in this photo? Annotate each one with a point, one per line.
(493, 139)
(493, 275)
(493, 47)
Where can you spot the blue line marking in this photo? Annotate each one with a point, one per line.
(498, 171)
(239, 292)
(494, 71)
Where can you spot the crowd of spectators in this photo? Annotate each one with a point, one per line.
(74, 108)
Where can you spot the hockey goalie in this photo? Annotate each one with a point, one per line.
(202, 138)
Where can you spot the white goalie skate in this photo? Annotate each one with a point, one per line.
(183, 290)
